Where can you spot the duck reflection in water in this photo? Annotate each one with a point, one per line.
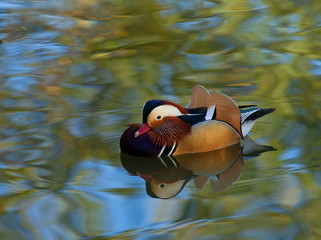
(165, 177)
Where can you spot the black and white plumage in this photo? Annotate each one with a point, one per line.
(249, 117)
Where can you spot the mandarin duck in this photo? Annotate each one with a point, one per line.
(210, 121)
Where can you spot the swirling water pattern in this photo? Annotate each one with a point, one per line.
(73, 73)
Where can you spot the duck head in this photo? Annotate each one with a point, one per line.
(164, 125)
(163, 119)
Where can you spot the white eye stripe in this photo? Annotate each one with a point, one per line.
(164, 111)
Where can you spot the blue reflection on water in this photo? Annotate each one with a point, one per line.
(22, 103)
(316, 70)
(27, 118)
(199, 24)
(114, 212)
(291, 153)
(20, 83)
(98, 198)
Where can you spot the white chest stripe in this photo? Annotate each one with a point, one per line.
(172, 149)
(161, 151)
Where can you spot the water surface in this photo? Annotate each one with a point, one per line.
(73, 73)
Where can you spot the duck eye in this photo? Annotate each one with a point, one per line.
(159, 117)
(162, 185)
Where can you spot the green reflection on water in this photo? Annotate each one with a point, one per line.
(73, 73)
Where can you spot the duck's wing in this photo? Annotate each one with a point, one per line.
(223, 108)
(197, 107)
(199, 97)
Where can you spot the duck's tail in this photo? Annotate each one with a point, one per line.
(249, 117)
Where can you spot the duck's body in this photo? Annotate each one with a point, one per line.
(210, 121)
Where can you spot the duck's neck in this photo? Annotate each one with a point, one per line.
(170, 133)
